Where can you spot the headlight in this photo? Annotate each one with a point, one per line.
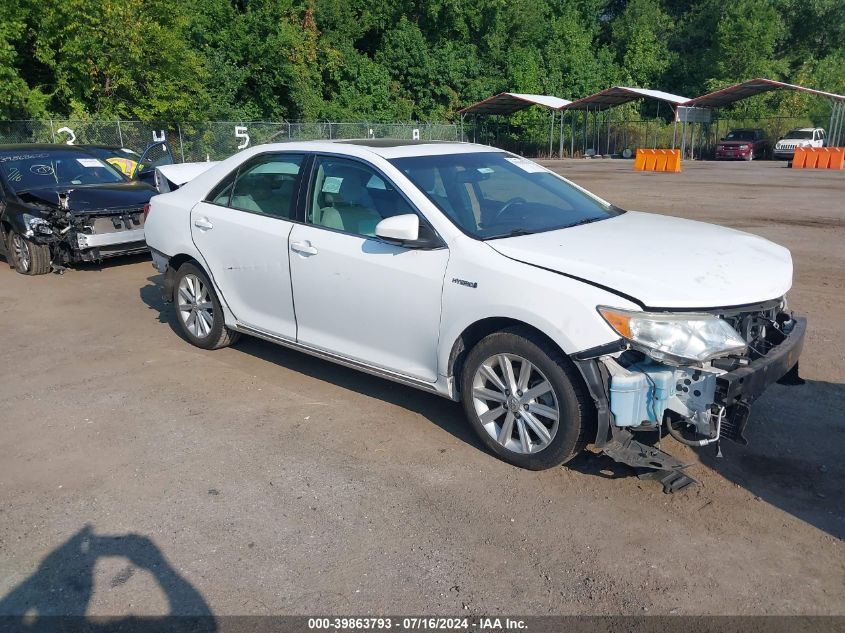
(679, 337)
(743, 147)
(37, 224)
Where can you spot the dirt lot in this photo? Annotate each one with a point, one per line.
(139, 474)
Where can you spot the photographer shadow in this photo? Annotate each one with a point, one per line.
(57, 595)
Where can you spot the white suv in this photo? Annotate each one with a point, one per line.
(804, 137)
(556, 318)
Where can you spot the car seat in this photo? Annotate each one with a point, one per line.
(352, 208)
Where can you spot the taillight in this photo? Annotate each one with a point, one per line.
(146, 210)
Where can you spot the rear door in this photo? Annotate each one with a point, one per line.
(357, 295)
(242, 232)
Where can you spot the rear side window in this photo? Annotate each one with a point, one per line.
(265, 185)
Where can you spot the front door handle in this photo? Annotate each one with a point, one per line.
(203, 223)
(304, 248)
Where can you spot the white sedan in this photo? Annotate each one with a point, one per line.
(556, 318)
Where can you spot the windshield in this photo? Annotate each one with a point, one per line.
(491, 194)
(808, 134)
(123, 159)
(36, 169)
(114, 152)
(740, 135)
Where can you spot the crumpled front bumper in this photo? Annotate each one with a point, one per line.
(109, 239)
(747, 383)
(736, 390)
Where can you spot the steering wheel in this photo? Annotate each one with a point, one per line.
(507, 206)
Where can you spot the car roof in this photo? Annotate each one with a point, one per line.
(32, 147)
(99, 146)
(385, 148)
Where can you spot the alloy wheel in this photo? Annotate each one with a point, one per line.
(195, 306)
(515, 403)
(21, 250)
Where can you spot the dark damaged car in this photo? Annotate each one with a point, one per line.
(61, 204)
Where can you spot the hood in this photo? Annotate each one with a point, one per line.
(662, 261)
(92, 198)
(733, 143)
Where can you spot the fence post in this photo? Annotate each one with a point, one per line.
(52, 131)
(181, 147)
(119, 133)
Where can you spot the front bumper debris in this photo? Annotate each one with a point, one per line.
(746, 384)
(109, 239)
(737, 386)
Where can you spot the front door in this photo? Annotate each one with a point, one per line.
(356, 295)
(242, 232)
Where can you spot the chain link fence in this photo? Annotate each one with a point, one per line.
(607, 135)
(215, 140)
(212, 140)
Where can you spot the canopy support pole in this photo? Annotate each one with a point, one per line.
(462, 128)
(654, 144)
(596, 131)
(560, 137)
(572, 134)
(674, 128)
(586, 116)
(609, 119)
(836, 112)
(552, 134)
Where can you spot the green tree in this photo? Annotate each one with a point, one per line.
(641, 36)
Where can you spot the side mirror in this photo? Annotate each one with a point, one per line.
(399, 228)
(406, 230)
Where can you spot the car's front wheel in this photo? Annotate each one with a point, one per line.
(198, 310)
(525, 400)
(27, 257)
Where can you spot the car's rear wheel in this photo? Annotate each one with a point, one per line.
(27, 257)
(198, 310)
(525, 400)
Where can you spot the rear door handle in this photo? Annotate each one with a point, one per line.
(203, 223)
(303, 247)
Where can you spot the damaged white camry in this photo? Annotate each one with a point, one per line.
(556, 318)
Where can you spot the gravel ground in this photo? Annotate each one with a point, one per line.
(141, 475)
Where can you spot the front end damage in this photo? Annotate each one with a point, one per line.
(82, 234)
(643, 393)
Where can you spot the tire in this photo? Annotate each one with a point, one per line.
(198, 310)
(27, 257)
(750, 155)
(567, 397)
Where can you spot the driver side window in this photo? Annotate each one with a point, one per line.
(348, 196)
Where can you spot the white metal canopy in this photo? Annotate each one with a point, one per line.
(617, 95)
(508, 102)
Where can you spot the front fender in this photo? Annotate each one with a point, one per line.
(487, 285)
